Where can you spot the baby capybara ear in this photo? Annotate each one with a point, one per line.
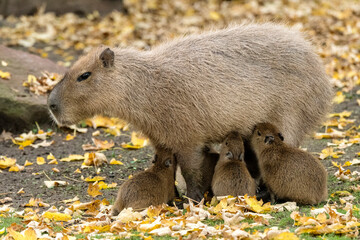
(107, 58)
(155, 158)
(269, 139)
(281, 137)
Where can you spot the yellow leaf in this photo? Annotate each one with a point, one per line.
(339, 98)
(93, 190)
(342, 114)
(257, 206)
(53, 162)
(113, 161)
(24, 143)
(57, 216)
(14, 169)
(77, 171)
(29, 234)
(27, 163)
(50, 157)
(95, 179)
(215, 16)
(103, 185)
(137, 141)
(73, 157)
(100, 229)
(286, 236)
(55, 170)
(69, 137)
(5, 75)
(40, 161)
(6, 162)
(21, 191)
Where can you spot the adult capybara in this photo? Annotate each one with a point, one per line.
(193, 90)
(231, 175)
(289, 173)
(154, 186)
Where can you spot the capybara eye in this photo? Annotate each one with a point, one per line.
(259, 133)
(83, 76)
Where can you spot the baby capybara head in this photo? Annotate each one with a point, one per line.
(233, 147)
(164, 158)
(266, 134)
(79, 94)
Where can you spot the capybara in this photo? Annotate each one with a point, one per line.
(231, 175)
(289, 173)
(193, 90)
(154, 186)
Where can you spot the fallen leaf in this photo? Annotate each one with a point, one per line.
(339, 98)
(27, 163)
(73, 157)
(6, 162)
(94, 179)
(114, 161)
(5, 75)
(57, 216)
(93, 190)
(69, 137)
(40, 161)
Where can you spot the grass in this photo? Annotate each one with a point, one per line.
(5, 222)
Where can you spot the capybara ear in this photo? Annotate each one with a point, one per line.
(269, 139)
(107, 58)
(168, 163)
(241, 157)
(229, 155)
(281, 137)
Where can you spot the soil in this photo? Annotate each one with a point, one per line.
(133, 161)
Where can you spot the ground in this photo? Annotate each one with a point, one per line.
(331, 25)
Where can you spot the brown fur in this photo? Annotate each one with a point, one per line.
(193, 90)
(211, 157)
(231, 175)
(154, 186)
(288, 172)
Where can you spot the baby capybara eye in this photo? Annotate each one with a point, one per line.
(258, 132)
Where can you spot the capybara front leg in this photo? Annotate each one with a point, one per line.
(190, 163)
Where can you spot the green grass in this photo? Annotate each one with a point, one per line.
(5, 222)
(331, 236)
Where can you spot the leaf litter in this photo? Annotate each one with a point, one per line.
(334, 24)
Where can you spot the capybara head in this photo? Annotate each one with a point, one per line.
(80, 93)
(233, 147)
(266, 134)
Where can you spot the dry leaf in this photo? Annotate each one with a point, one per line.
(93, 190)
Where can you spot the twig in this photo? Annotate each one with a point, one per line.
(72, 179)
(47, 175)
(38, 127)
(6, 193)
(190, 199)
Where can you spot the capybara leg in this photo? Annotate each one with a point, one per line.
(190, 163)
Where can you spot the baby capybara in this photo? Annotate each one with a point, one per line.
(289, 173)
(154, 186)
(231, 175)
